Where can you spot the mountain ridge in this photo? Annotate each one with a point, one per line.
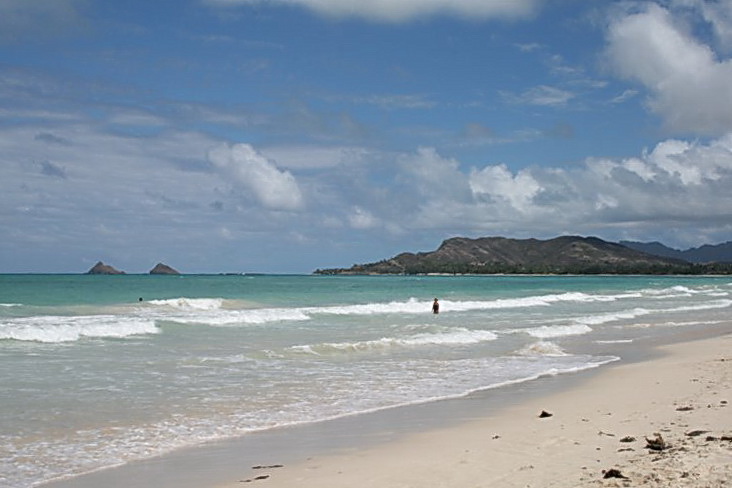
(501, 255)
(708, 253)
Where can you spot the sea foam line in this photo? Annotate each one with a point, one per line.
(54, 329)
(210, 311)
(455, 337)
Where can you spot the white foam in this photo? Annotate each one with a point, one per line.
(414, 306)
(639, 312)
(239, 317)
(453, 337)
(613, 316)
(551, 331)
(190, 303)
(703, 306)
(53, 329)
(541, 348)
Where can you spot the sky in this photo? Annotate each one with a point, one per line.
(283, 136)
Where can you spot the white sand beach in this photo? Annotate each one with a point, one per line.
(599, 425)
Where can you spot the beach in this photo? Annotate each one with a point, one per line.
(599, 427)
(211, 376)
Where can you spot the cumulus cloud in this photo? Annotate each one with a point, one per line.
(690, 85)
(499, 182)
(660, 194)
(270, 186)
(405, 10)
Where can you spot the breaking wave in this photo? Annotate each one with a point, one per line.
(454, 337)
(54, 329)
(541, 348)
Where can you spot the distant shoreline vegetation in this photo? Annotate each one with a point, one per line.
(566, 255)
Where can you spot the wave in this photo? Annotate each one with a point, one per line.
(552, 331)
(190, 303)
(218, 311)
(454, 337)
(614, 316)
(213, 311)
(56, 329)
(541, 348)
(639, 312)
(415, 306)
(236, 317)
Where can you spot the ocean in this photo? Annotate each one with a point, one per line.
(100, 371)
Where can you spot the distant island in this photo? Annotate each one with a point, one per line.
(163, 269)
(104, 269)
(561, 255)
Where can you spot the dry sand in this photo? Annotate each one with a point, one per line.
(599, 425)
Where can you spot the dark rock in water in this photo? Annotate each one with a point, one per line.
(103, 269)
(544, 414)
(163, 269)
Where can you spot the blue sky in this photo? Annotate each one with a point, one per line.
(290, 135)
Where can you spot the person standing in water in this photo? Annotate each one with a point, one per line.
(435, 306)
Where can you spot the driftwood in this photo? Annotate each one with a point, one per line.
(695, 433)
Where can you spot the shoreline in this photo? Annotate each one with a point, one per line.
(574, 437)
(460, 441)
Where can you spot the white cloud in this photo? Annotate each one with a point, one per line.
(499, 182)
(626, 95)
(690, 85)
(362, 219)
(273, 188)
(719, 15)
(313, 156)
(542, 95)
(660, 194)
(433, 176)
(405, 10)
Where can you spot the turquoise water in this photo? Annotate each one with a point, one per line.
(93, 377)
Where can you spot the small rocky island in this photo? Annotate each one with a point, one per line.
(104, 269)
(163, 269)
